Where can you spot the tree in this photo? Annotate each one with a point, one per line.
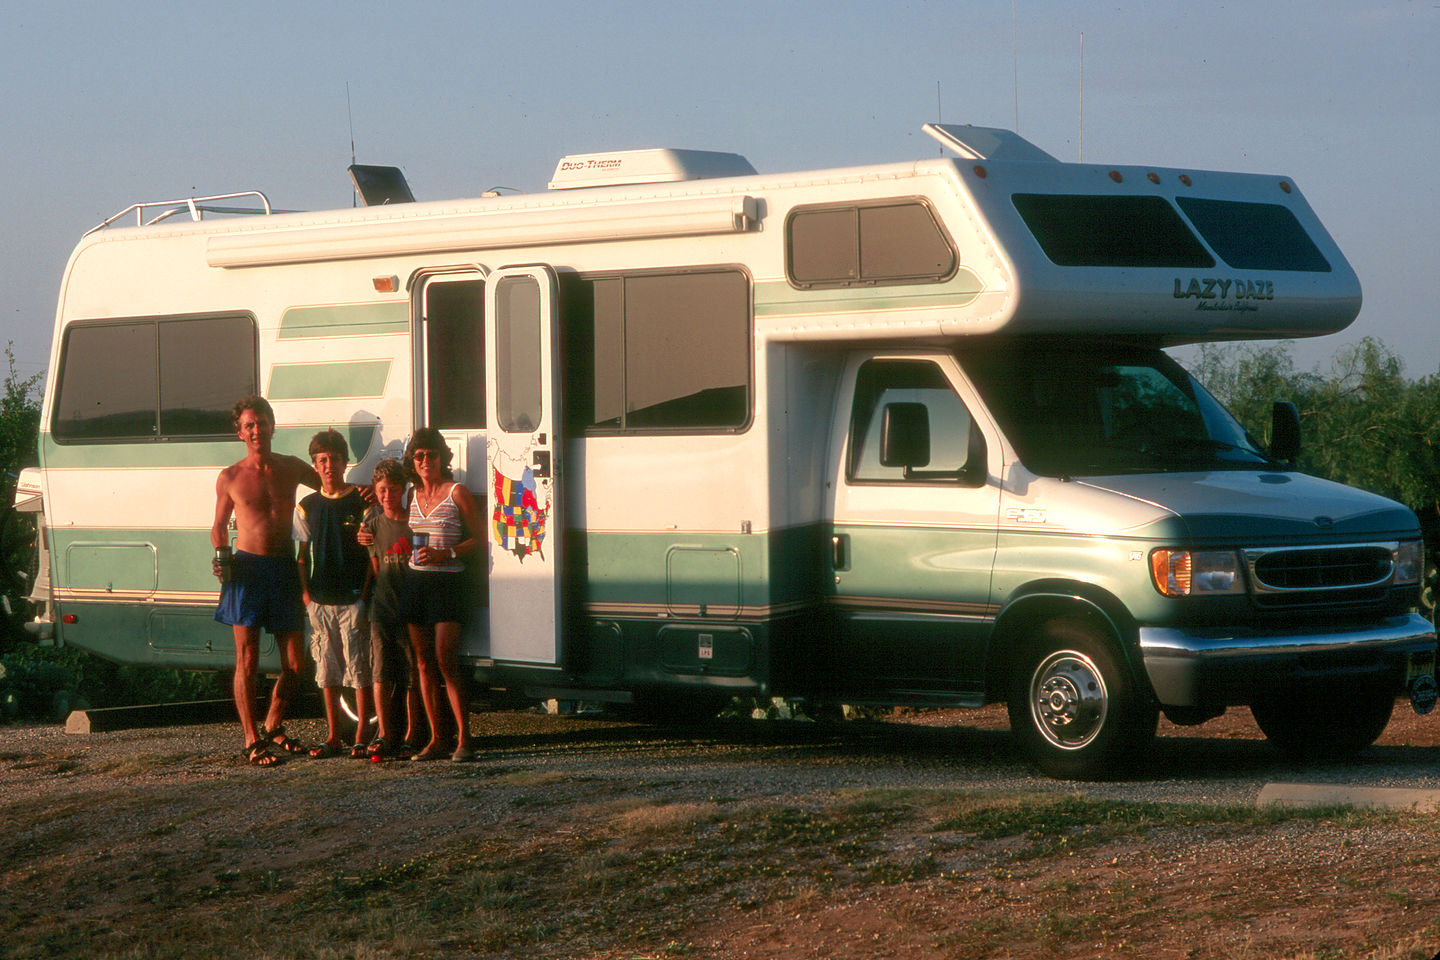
(19, 421)
(19, 431)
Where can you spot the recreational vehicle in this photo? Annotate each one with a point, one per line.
(894, 434)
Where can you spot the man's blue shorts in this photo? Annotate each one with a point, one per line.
(262, 592)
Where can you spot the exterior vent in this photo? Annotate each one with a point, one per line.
(646, 166)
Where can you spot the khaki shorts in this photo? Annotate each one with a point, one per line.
(340, 644)
(392, 661)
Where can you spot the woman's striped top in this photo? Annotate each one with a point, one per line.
(445, 528)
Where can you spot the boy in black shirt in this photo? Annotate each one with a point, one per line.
(333, 570)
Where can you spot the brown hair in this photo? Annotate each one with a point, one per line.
(428, 438)
(252, 401)
(331, 442)
(391, 471)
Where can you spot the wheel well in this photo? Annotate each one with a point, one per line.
(1017, 622)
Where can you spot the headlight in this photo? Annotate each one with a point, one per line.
(1409, 561)
(1194, 573)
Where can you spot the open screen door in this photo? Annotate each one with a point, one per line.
(522, 398)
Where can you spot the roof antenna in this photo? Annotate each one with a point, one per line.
(350, 116)
(1081, 157)
(1015, 58)
(939, 114)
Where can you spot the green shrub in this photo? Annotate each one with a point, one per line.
(41, 682)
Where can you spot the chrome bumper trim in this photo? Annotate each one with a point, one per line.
(1162, 642)
(1190, 667)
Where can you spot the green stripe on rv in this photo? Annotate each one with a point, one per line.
(715, 569)
(294, 440)
(348, 320)
(680, 569)
(110, 559)
(777, 298)
(328, 381)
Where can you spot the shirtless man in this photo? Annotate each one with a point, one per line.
(263, 591)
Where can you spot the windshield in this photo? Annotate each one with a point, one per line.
(1076, 408)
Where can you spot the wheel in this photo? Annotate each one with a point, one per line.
(1074, 706)
(347, 706)
(1324, 723)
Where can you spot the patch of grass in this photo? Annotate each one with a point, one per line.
(1053, 825)
(667, 818)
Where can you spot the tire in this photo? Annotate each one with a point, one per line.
(1075, 707)
(1324, 723)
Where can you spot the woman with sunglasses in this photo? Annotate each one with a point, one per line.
(444, 517)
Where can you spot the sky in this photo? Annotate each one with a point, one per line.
(107, 104)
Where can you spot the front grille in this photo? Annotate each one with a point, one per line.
(1323, 569)
(1325, 575)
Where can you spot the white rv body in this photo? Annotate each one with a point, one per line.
(691, 518)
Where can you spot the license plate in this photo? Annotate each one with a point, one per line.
(1421, 683)
(1421, 665)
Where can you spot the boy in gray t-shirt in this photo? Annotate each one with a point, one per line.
(387, 537)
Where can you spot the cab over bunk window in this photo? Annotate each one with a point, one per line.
(1254, 236)
(156, 379)
(1110, 231)
(658, 351)
(884, 242)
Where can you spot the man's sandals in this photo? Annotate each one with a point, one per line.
(281, 740)
(258, 754)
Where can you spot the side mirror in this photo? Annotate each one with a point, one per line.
(905, 435)
(1285, 431)
(976, 463)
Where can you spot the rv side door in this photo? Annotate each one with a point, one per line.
(523, 452)
(450, 396)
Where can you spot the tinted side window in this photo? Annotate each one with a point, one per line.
(108, 375)
(153, 379)
(824, 246)
(205, 366)
(455, 353)
(687, 350)
(884, 382)
(886, 242)
(1255, 236)
(1106, 231)
(658, 351)
(518, 402)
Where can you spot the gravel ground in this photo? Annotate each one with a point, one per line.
(1225, 761)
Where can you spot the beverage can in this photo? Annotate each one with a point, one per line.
(223, 559)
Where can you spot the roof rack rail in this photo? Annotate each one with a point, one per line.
(197, 207)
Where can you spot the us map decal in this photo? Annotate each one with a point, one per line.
(518, 520)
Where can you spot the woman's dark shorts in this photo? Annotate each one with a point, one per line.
(433, 597)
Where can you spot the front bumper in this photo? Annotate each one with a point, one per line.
(1218, 667)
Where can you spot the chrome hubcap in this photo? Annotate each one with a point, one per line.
(1068, 701)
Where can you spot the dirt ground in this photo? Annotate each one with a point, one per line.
(585, 838)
